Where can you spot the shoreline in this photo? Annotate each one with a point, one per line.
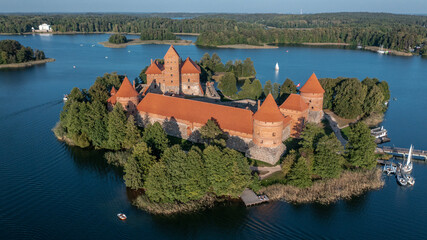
(390, 51)
(347, 186)
(27, 64)
(138, 41)
(325, 44)
(246, 46)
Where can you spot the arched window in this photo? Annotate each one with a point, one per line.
(274, 134)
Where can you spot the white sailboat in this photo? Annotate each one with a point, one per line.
(407, 165)
(277, 66)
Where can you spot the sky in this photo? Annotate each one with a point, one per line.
(217, 6)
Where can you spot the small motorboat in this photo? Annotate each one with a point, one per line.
(106, 57)
(409, 179)
(65, 98)
(401, 180)
(389, 169)
(121, 216)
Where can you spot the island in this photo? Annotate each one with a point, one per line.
(147, 37)
(14, 55)
(183, 150)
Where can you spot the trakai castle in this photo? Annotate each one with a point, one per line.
(260, 134)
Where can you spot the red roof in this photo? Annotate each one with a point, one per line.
(113, 91)
(190, 67)
(312, 85)
(112, 100)
(126, 89)
(172, 51)
(269, 112)
(294, 102)
(229, 118)
(154, 68)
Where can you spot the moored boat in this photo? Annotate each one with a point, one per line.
(65, 98)
(409, 179)
(121, 216)
(401, 180)
(389, 169)
(407, 164)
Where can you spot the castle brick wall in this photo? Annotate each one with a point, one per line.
(267, 134)
(298, 119)
(314, 101)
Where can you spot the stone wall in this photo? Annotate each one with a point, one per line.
(268, 155)
(315, 116)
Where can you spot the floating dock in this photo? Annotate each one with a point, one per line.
(250, 198)
(396, 151)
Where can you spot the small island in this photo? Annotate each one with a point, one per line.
(14, 55)
(180, 154)
(147, 37)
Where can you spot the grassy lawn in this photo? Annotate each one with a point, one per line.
(345, 131)
(256, 163)
(277, 177)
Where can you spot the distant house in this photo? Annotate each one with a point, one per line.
(44, 28)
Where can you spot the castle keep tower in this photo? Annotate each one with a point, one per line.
(174, 76)
(171, 71)
(312, 93)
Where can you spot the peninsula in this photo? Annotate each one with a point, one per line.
(14, 55)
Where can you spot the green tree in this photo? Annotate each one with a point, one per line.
(248, 68)
(138, 166)
(117, 39)
(227, 84)
(155, 137)
(373, 100)
(98, 92)
(349, 98)
(116, 127)
(361, 147)
(328, 160)
(143, 76)
(289, 161)
(132, 133)
(268, 88)
(310, 136)
(212, 133)
(299, 175)
(276, 90)
(97, 120)
(287, 88)
(158, 185)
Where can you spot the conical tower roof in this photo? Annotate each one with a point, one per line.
(113, 91)
(269, 112)
(126, 89)
(312, 85)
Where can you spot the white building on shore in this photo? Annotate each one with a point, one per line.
(44, 28)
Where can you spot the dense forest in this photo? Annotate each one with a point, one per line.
(393, 31)
(12, 51)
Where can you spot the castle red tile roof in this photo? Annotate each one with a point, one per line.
(312, 85)
(269, 112)
(154, 68)
(126, 90)
(294, 102)
(113, 91)
(229, 118)
(172, 51)
(112, 100)
(190, 67)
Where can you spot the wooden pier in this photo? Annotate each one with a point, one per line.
(396, 151)
(250, 198)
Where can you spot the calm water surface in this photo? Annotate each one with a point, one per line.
(52, 191)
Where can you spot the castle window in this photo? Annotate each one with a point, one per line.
(188, 87)
(188, 80)
(171, 74)
(274, 142)
(171, 81)
(274, 134)
(171, 68)
(155, 86)
(262, 141)
(312, 107)
(309, 101)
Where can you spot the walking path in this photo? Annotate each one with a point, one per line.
(269, 170)
(336, 130)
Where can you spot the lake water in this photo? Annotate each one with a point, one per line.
(51, 191)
